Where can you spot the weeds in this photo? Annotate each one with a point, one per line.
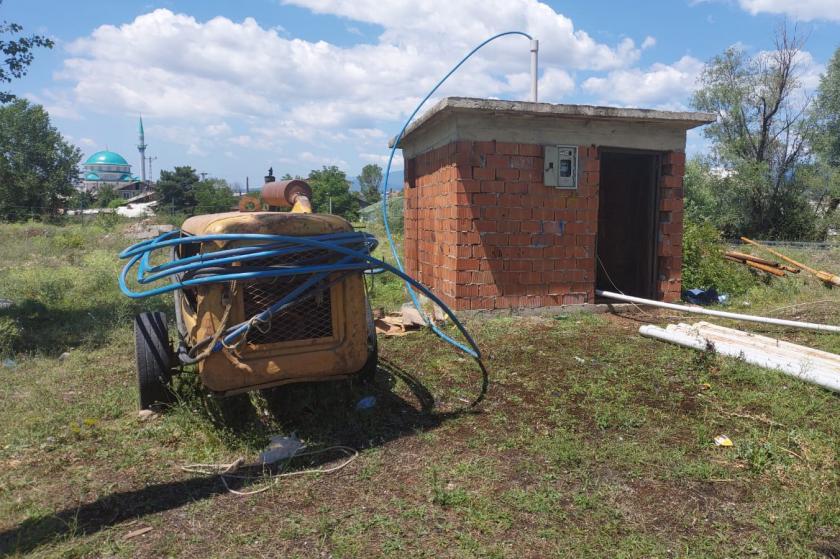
(609, 454)
(10, 335)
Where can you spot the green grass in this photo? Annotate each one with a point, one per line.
(608, 456)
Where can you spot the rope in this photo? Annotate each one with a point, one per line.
(225, 471)
(606, 273)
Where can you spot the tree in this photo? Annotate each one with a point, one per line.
(762, 132)
(213, 195)
(828, 112)
(175, 189)
(17, 53)
(369, 181)
(80, 200)
(105, 195)
(331, 189)
(38, 168)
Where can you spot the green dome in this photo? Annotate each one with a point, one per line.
(106, 158)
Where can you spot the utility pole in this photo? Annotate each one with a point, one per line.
(247, 185)
(203, 175)
(151, 175)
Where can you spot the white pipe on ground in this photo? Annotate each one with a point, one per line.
(720, 314)
(825, 376)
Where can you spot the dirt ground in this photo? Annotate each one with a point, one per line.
(589, 441)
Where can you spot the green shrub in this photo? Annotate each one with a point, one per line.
(71, 239)
(108, 220)
(10, 335)
(704, 265)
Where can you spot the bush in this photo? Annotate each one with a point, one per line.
(704, 265)
(69, 240)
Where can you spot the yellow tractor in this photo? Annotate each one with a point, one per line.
(262, 298)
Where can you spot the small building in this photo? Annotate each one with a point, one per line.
(108, 168)
(524, 205)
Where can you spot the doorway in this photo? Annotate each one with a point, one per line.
(627, 220)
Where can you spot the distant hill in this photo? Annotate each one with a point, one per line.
(395, 181)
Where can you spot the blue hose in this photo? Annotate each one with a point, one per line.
(353, 248)
(386, 190)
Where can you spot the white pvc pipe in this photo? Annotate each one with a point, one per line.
(535, 48)
(827, 377)
(721, 314)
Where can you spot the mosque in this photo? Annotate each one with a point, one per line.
(108, 168)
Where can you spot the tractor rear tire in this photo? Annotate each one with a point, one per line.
(154, 359)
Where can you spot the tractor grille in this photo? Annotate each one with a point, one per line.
(310, 318)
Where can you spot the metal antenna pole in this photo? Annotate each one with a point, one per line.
(151, 175)
(535, 48)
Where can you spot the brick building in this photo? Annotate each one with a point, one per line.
(524, 205)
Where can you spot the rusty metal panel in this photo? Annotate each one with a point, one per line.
(317, 339)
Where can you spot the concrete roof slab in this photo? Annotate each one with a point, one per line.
(542, 111)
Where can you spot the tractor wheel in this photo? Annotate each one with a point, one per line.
(153, 354)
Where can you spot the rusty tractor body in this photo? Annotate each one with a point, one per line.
(325, 335)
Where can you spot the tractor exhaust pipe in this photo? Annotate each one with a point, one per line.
(293, 193)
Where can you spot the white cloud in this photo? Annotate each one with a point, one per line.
(180, 67)
(217, 129)
(554, 84)
(452, 27)
(315, 159)
(381, 159)
(805, 10)
(243, 140)
(57, 103)
(810, 71)
(669, 86)
(221, 84)
(661, 85)
(368, 133)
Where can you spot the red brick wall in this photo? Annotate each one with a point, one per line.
(483, 231)
(669, 241)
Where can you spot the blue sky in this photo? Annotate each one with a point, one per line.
(233, 88)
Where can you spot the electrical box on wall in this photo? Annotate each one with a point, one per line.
(561, 164)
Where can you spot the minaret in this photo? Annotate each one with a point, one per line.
(141, 147)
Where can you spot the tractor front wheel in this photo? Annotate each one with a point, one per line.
(154, 355)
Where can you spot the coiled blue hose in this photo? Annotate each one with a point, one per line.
(353, 247)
